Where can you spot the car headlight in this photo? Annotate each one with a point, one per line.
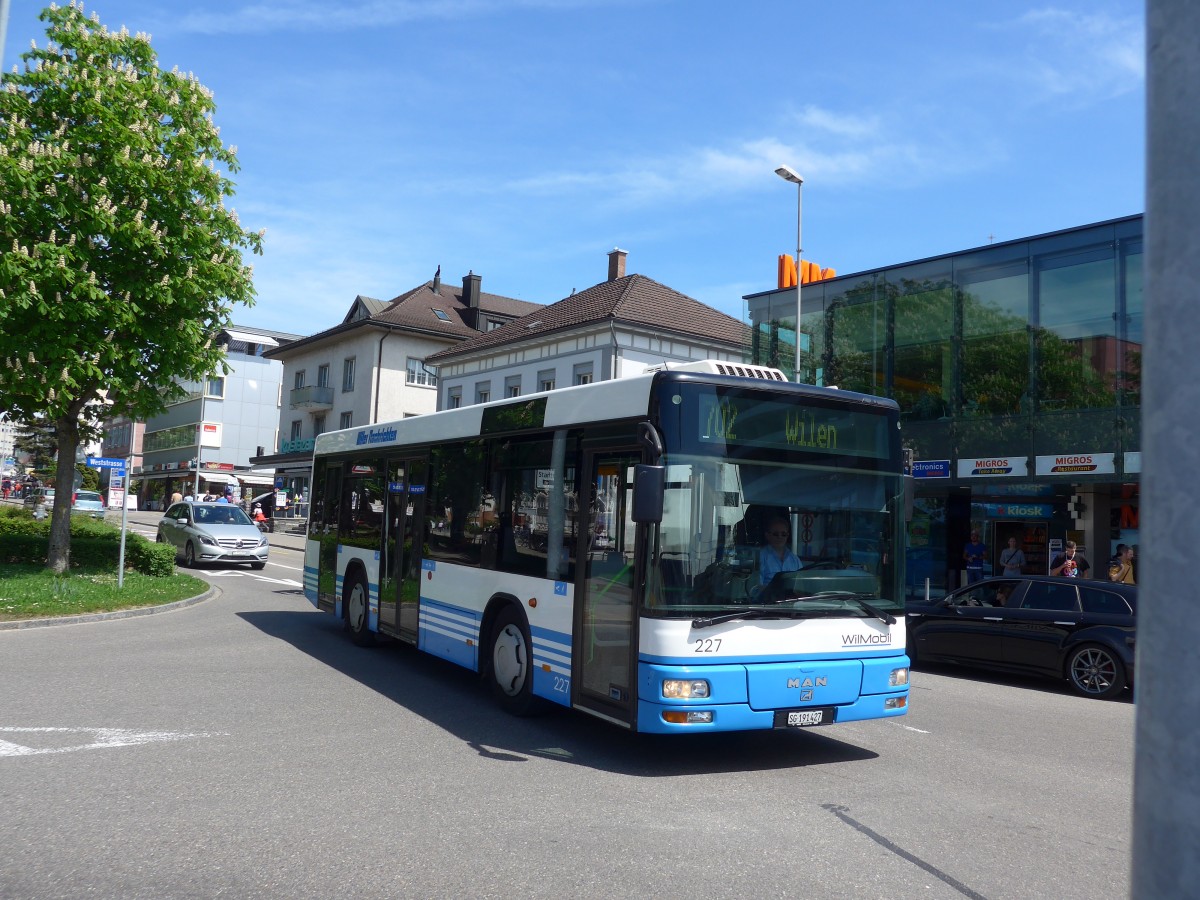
(684, 688)
(263, 542)
(206, 539)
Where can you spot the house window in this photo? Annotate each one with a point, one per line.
(299, 380)
(215, 388)
(418, 374)
(454, 398)
(297, 429)
(348, 374)
(512, 386)
(323, 375)
(583, 373)
(483, 392)
(546, 380)
(318, 425)
(345, 420)
(493, 324)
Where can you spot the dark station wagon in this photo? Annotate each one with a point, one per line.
(1072, 628)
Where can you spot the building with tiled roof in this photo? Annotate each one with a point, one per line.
(371, 366)
(614, 329)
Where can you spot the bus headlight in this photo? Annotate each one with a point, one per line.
(688, 716)
(898, 677)
(684, 688)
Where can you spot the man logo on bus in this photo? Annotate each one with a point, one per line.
(806, 685)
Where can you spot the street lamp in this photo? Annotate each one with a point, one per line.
(789, 174)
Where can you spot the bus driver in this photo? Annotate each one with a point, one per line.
(777, 556)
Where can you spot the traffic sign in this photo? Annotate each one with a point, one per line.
(105, 462)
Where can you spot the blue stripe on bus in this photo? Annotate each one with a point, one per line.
(450, 632)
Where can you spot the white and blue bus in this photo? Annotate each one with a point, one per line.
(605, 547)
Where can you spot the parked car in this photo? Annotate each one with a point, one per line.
(88, 503)
(42, 496)
(212, 532)
(1072, 628)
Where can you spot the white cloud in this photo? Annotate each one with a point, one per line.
(844, 151)
(1093, 55)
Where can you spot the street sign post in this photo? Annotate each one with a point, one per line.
(116, 468)
(106, 462)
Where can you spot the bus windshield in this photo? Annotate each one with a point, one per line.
(787, 534)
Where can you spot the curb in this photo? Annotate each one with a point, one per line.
(115, 614)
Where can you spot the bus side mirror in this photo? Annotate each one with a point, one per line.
(649, 483)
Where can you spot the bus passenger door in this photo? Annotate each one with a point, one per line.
(605, 607)
(400, 570)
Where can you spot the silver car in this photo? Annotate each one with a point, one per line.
(213, 532)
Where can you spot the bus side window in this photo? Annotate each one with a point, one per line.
(459, 510)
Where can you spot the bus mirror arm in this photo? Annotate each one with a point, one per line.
(649, 483)
(650, 440)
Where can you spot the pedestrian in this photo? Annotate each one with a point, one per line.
(176, 497)
(225, 497)
(974, 553)
(1069, 564)
(1120, 569)
(1011, 558)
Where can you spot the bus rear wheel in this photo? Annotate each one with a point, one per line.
(511, 663)
(356, 603)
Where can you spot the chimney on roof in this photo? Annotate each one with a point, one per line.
(470, 294)
(616, 264)
(437, 281)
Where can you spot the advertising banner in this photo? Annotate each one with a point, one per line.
(1077, 464)
(994, 467)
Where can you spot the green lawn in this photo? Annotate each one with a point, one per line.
(34, 592)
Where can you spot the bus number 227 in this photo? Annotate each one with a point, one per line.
(708, 645)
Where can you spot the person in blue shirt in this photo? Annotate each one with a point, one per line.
(975, 552)
(777, 556)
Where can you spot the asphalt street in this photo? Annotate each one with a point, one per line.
(243, 747)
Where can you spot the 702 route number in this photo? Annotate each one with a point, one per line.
(708, 645)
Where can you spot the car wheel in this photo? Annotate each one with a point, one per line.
(258, 565)
(1095, 671)
(189, 555)
(511, 663)
(356, 604)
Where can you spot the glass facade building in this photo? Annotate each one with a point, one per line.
(1017, 370)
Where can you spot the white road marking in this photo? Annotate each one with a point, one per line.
(101, 738)
(235, 574)
(910, 728)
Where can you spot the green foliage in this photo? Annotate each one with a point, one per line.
(94, 544)
(120, 259)
(28, 592)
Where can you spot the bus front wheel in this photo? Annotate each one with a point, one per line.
(511, 666)
(355, 600)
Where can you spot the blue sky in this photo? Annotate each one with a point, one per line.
(524, 139)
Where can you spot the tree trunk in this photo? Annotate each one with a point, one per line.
(58, 558)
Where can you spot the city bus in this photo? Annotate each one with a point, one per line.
(605, 547)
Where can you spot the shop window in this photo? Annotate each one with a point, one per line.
(923, 378)
(995, 356)
(856, 338)
(1076, 360)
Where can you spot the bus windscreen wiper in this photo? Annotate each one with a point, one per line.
(861, 599)
(758, 613)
